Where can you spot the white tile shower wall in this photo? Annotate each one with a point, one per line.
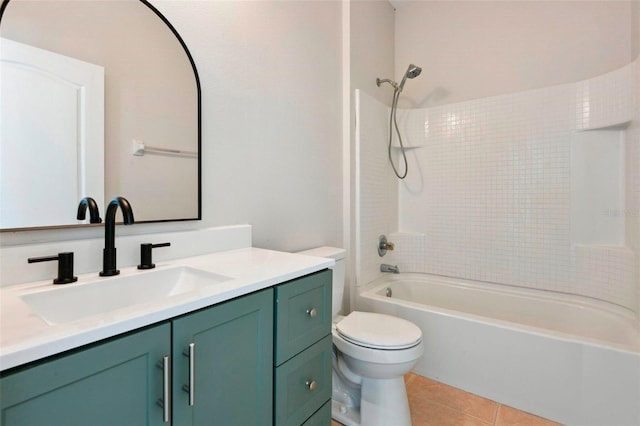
(491, 189)
(488, 195)
(409, 252)
(632, 184)
(635, 184)
(610, 272)
(376, 187)
(607, 100)
(604, 272)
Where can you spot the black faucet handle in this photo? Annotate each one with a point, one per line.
(65, 266)
(145, 255)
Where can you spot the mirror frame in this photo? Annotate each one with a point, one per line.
(3, 7)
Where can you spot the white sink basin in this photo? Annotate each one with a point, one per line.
(82, 300)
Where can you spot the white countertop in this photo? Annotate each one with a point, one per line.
(26, 337)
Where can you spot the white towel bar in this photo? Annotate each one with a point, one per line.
(139, 148)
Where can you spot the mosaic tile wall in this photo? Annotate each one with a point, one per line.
(632, 181)
(376, 186)
(488, 195)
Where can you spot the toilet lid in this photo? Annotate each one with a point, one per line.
(378, 331)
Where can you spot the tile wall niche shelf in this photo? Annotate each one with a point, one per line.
(597, 188)
(408, 146)
(621, 246)
(616, 126)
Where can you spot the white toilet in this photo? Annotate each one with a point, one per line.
(372, 352)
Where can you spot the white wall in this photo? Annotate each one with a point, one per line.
(271, 115)
(375, 194)
(635, 29)
(372, 47)
(470, 49)
(271, 82)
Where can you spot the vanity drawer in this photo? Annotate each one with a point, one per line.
(303, 384)
(322, 417)
(303, 314)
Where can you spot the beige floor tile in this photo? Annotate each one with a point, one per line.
(436, 404)
(456, 399)
(429, 413)
(508, 416)
(408, 377)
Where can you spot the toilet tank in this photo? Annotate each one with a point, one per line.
(337, 285)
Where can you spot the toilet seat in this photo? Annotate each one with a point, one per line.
(378, 331)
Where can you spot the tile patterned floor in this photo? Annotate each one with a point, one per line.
(436, 404)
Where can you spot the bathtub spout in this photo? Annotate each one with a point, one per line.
(389, 268)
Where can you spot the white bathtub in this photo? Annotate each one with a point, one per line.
(566, 358)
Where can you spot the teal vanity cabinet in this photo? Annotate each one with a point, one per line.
(260, 359)
(120, 381)
(227, 352)
(113, 383)
(302, 350)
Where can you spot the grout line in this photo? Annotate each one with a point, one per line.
(495, 414)
(409, 379)
(498, 412)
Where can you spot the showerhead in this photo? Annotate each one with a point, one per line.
(412, 72)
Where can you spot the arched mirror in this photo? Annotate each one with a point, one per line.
(100, 98)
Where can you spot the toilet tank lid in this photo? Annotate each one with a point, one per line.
(332, 252)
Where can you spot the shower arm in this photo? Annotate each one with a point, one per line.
(386, 80)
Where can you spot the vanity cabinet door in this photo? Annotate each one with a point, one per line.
(232, 361)
(113, 383)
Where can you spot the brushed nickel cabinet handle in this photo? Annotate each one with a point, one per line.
(191, 388)
(312, 312)
(165, 401)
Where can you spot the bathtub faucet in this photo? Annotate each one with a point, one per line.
(389, 268)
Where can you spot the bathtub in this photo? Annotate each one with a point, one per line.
(566, 358)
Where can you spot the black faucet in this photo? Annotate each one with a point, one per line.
(94, 213)
(109, 252)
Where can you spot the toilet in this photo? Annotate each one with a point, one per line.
(372, 353)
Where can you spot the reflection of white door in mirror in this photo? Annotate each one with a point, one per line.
(64, 150)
